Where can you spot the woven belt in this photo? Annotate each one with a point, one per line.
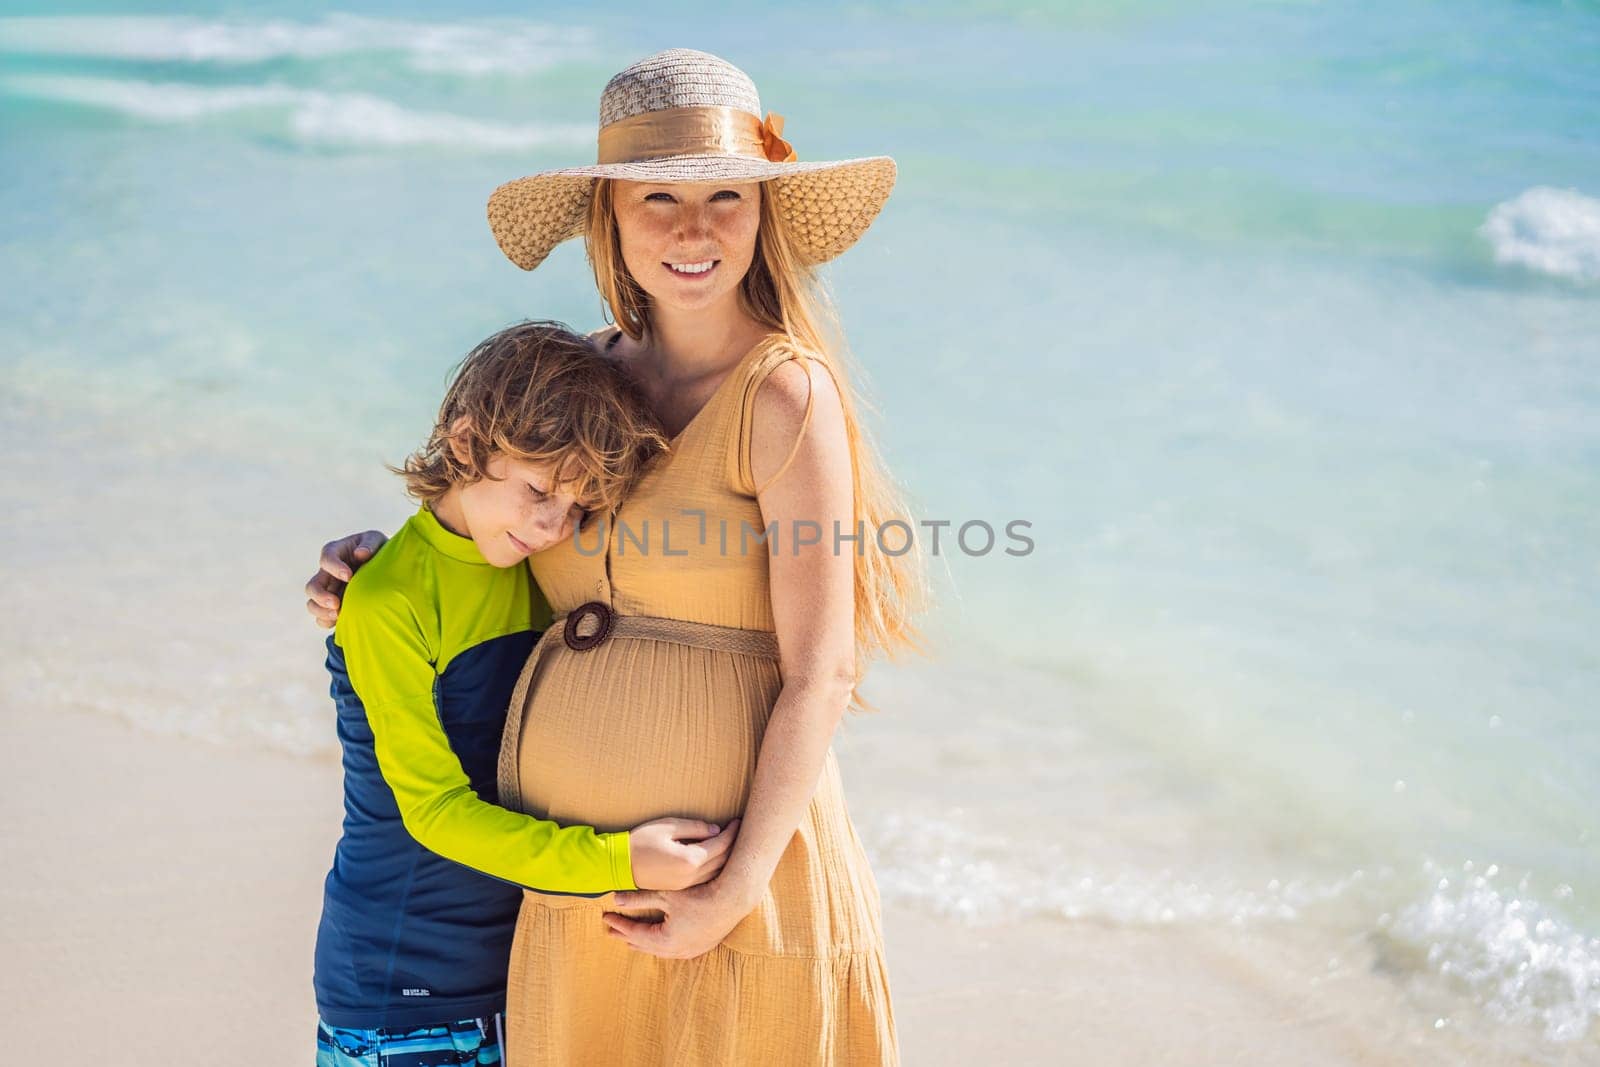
(607, 626)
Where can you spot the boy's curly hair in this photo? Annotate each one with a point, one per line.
(539, 392)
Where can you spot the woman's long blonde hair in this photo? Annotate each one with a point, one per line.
(784, 292)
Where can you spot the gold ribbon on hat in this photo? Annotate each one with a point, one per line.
(694, 131)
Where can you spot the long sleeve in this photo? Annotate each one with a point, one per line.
(391, 666)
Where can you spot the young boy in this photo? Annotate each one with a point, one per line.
(413, 945)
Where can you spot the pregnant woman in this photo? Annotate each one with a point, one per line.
(710, 633)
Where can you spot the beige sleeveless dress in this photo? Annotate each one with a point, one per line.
(660, 710)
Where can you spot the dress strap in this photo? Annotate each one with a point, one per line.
(775, 356)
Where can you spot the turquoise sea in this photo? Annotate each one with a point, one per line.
(1280, 324)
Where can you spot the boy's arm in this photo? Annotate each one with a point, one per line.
(391, 670)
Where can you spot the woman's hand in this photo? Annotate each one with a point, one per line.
(340, 560)
(695, 922)
(678, 853)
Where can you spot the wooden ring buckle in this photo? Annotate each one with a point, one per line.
(569, 633)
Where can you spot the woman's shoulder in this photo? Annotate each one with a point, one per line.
(785, 367)
(791, 388)
(793, 403)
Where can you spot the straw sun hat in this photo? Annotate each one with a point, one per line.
(686, 116)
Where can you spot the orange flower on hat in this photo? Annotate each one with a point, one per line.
(772, 143)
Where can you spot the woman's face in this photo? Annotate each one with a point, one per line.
(688, 246)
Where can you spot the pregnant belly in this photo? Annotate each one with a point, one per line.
(636, 729)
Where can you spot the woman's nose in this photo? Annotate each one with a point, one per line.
(692, 222)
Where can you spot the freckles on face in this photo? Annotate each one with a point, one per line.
(542, 512)
(686, 243)
(519, 510)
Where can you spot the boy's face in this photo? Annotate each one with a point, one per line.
(517, 510)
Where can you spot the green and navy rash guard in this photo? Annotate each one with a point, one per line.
(430, 642)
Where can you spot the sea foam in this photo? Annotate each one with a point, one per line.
(309, 116)
(462, 48)
(1500, 945)
(1506, 948)
(1553, 231)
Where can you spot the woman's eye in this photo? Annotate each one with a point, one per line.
(721, 194)
(538, 494)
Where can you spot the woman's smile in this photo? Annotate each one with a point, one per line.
(701, 269)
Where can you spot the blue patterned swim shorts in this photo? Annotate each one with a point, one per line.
(469, 1043)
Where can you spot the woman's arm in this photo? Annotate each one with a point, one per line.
(813, 607)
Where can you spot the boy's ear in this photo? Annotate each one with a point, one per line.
(458, 439)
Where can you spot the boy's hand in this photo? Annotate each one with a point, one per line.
(678, 853)
(340, 560)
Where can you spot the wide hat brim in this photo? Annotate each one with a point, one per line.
(826, 206)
